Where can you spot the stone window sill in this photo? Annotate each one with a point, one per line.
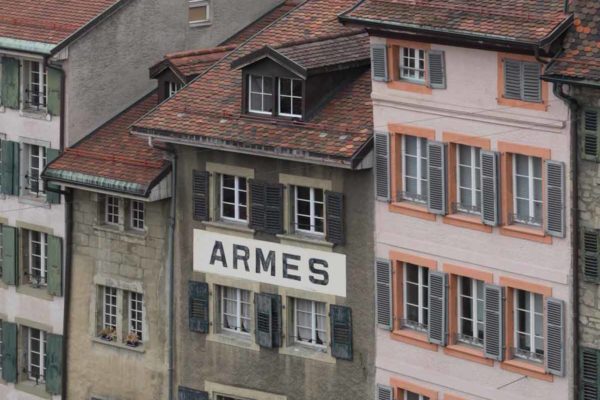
(527, 368)
(526, 233)
(543, 106)
(412, 209)
(414, 338)
(467, 221)
(469, 353)
(409, 86)
(39, 292)
(200, 24)
(229, 227)
(316, 242)
(32, 388)
(298, 350)
(118, 345)
(232, 339)
(35, 114)
(117, 229)
(33, 200)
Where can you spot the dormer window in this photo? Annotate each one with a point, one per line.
(260, 94)
(290, 97)
(273, 95)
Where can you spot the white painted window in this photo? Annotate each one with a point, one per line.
(138, 213)
(109, 309)
(37, 85)
(36, 355)
(309, 322)
(38, 258)
(199, 12)
(529, 325)
(416, 300)
(111, 210)
(37, 163)
(290, 97)
(309, 211)
(136, 314)
(412, 64)
(234, 198)
(173, 87)
(413, 396)
(468, 178)
(414, 169)
(470, 311)
(527, 189)
(260, 95)
(235, 310)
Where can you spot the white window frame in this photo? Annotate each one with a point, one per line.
(421, 183)
(262, 94)
(475, 180)
(312, 212)
(237, 315)
(112, 210)
(110, 310)
(41, 154)
(174, 87)
(422, 323)
(313, 324)
(43, 257)
(41, 82)
(138, 215)
(531, 353)
(198, 4)
(238, 193)
(531, 190)
(135, 315)
(291, 96)
(42, 339)
(477, 304)
(406, 71)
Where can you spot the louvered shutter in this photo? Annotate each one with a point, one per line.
(274, 208)
(590, 254)
(589, 372)
(200, 195)
(54, 85)
(437, 69)
(52, 195)
(379, 62)
(555, 198)
(490, 192)
(276, 319)
(334, 218)
(341, 331)
(257, 205)
(10, 250)
(382, 166)
(555, 338)
(185, 393)
(437, 328)
(384, 393)
(10, 168)
(198, 306)
(493, 337)
(589, 127)
(383, 293)
(54, 364)
(54, 265)
(264, 319)
(9, 352)
(10, 82)
(513, 84)
(436, 166)
(532, 83)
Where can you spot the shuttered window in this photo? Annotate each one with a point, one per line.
(529, 325)
(36, 355)
(341, 332)
(379, 67)
(185, 393)
(590, 131)
(310, 318)
(414, 169)
(408, 395)
(527, 190)
(309, 207)
(37, 243)
(412, 65)
(522, 81)
(493, 339)
(589, 376)
(200, 182)
(234, 198)
(235, 310)
(436, 172)
(555, 198)
(416, 297)
(384, 393)
(0, 347)
(437, 326)
(198, 306)
(37, 162)
(470, 311)
(468, 179)
(590, 254)
(383, 286)
(36, 85)
(382, 166)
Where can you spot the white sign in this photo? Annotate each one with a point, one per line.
(267, 262)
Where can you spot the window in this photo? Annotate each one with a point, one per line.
(522, 80)
(468, 179)
(111, 213)
(529, 325)
(120, 316)
(37, 163)
(412, 64)
(414, 169)
(290, 97)
(234, 198)
(414, 396)
(136, 315)
(309, 210)
(38, 258)
(198, 12)
(416, 297)
(137, 215)
(235, 310)
(309, 322)
(173, 87)
(527, 189)
(260, 95)
(36, 355)
(470, 311)
(37, 85)
(109, 316)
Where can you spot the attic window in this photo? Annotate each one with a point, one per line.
(198, 12)
(260, 94)
(290, 97)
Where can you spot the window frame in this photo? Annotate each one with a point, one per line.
(41, 154)
(108, 214)
(238, 310)
(313, 324)
(135, 316)
(42, 353)
(134, 215)
(43, 257)
(108, 316)
(262, 94)
(417, 59)
(421, 324)
(291, 96)
(237, 191)
(173, 87)
(476, 302)
(520, 353)
(199, 4)
(422, 184)
(120, 313)
(41, 82)
(531, 201)
(420, 396)
(475, 176)
(313, 217)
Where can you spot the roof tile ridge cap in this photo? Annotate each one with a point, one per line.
(114, 157)
(200, 52)
(316, 39)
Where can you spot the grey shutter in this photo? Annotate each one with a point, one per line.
(532, 83)
(9, 352)
(382, 166)
(555, 337)
(276, 319)
(54, 368)
(198, 306)
(589, 372)
(185, 393)
(379, 67)
(52, 194)
(334, 218)
(437, 69)
(200, 195)
(384, 393)
(10, 168)
(437, 327)
(590, 254)
(264, 319)
(589, 147)
(513, 84)
(436, 166)
(257, 205)
(493, 336)
(555, 198)
(10, 248)
(274, 208)
(55, 265)
(490, 191)
(383, 293)
(341, 331)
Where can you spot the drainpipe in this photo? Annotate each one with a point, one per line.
(68, 196)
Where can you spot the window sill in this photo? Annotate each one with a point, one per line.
(467, 221)
(40, 293)
(523, 232)
(408, 86)
(314, 242)
(527, 369)
(244, 342)
(200, 24)
(412, 209)
(140, 349)
(298, 350)
(35, 114)
(228, 227)
(32, 388)
(522, 104)
(32, 200)
(468, 353)
(137, 236)
(414, 338)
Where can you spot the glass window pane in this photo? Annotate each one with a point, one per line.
(268, 85)
(256, 83)
(285, 87)
(412, 273)
(410, 145)
(522, 163)
(537, 167)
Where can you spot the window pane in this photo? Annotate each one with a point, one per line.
(285, 105)
(268, 85)
(297, 87)
(537, 167)
(267, 103)
(285, 87)
(465, 177)
(522, 164)
(412, 273)
(412, 293)
(410, 145)
(256, 83)
(198, 13)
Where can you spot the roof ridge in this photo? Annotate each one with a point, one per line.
(351, 32)
(121, 159)
(199, 52)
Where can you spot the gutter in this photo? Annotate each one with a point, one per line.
(67, 283)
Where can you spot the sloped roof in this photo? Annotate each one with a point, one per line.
(188, 64)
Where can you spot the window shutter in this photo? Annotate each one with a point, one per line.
(532, 83)
(493, 337)
(589, 372)
(54, 265)
(10, 251)
(54, 84)
(379, 62)
(382, 166)
(555, 198)
(200, 195)
(274, 208)
(555, 340)
(276, 319)
(490, 193)
(264, 319)
(51, 195)
(257, 205)
(54, 364)
(10, 168)
(185, 393)
(383, 293)
(437, 69)
(334, 217)
(198, 306)
(436, 165)
(589, 147)
(10, 82)
(437, 329)
(341, 331)
(384, 393)
(9, 352)
(512, 79)
(590, 254)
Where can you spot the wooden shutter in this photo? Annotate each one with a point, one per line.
(590, 254)
(513, 84)
(10, 82)
(555, 198)
(382, 166)
(274, 208)
(490, 193)
(54, 364)
(264, 319)
(383, 293)
(437, 69)
(10, 168)
(257, 205)
(334, 217)
(493, 337)
(52, 195)
(276, 319)
(436, 167)
(437, 327)
(379, 66)
(9, 352)
(555, 337)
(200, 195)
(384, 393)
(589, 372)
(54, 85)
(55, 265)
(532, 83)
(198, 306)
(185, 393)
(589, 127)
(341, 331)
(10, 250)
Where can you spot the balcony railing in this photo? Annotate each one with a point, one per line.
(524, 219)
(417, 198)
(34, 101)
(465, 208)
(527, 355)
(406, 323)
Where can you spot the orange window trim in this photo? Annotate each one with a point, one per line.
(526, 150)
(401, 385)
(393, 49)
(466, 353)
(472, 273)
(418, 339)
(543, 106)
(467, 222)
(460, 138)
(514, 283)
(449, 396)
(413, 259)
(527, 369)
(412, 130)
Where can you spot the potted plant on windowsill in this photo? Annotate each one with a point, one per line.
(108, 334)
(132, 340)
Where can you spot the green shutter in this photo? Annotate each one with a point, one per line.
(54, 368)
(589, 135)
(54, 265)
(10, 260)
(54, 85)
(10, 168)
(589, 374)
(10, 82)
(341, 332)
(9, 352)
(52, 196)
(590, 250)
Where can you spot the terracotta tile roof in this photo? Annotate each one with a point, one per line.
(47, 21)
(513, 20)
(208, 109)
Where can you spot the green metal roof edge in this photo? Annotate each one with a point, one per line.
(26, 45)
(96, 181)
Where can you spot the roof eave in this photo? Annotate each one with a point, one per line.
(571, 81)
(272, 54)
